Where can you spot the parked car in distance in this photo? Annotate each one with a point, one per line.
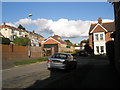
(83, 53)
(61, 61)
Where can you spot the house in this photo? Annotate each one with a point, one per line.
(99, 35)
(36, 39)
(54, 41)
(11, 32)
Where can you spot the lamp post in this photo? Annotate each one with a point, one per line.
(29, 48)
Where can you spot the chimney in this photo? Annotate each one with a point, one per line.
(4, 23)
(33, 31)
(99, 20)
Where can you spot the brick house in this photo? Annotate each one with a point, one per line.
(54, 41)
(99, 35)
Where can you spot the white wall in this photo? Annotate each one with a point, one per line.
(99, 43)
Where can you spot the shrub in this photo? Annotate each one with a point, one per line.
(4, 40)
(22, 41)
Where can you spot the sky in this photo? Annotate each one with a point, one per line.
(70, 20)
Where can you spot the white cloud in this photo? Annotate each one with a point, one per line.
(62, 27)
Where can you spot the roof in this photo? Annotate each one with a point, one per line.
(35, 34)
(109, 26)
(55, 39)
(63, 42)
(58, 38)
(11, 27)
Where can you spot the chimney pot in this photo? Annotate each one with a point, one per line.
(4, 23)
(99, 20)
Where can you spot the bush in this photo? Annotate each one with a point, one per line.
(4, 40)
(22, 41)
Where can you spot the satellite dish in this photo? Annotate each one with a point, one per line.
(30, 15)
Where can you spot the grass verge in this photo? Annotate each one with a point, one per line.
(24, 62)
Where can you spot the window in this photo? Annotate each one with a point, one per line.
(102, 48)
(12, 31)
(97, 48)
(101, 36)
(20, 33)
(96, 36)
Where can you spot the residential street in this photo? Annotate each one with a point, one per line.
(90, 73)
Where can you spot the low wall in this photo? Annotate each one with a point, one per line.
(36, 52)
(12, 53)
(64, 49)
(20, 52)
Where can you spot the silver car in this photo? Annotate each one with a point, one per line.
(61, 61)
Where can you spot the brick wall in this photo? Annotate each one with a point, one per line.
(90, 41)
(20, 52)
(14, 52)
(107, 36)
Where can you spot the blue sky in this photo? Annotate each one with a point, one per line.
(57, 12)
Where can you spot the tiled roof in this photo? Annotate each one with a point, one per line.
(11, 27)
(110, 26)
(63, 42)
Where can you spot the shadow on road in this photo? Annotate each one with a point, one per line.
(90, 73)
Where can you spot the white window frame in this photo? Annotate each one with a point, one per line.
(99, 36)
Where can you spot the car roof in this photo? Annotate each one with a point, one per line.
(64, 53)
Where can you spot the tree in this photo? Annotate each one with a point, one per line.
(22, 41)
(88, 49)
(84, 41)
(69, 43)
(21, 27)
(4, 40)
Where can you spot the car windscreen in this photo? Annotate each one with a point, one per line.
(61, 56)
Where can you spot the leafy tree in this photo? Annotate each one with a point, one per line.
(22, 41)
(21, 27)
(88, 49)
(4, 40)
(84, 41)
(69, 43)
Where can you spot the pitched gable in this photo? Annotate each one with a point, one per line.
(51, 41)
(98, 28)
(109, 26)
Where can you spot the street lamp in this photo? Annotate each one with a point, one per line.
(29, 15)
(29, 48)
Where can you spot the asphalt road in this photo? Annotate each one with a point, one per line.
(90, 73)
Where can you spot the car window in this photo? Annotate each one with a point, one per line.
(61, 56)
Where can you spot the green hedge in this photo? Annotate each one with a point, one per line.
(30, 61)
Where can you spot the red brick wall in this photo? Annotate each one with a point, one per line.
(107, 36)
(98, 29)
(19, 52)
(14, 52)
(90, 41)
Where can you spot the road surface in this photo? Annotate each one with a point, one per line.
(90, 73)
